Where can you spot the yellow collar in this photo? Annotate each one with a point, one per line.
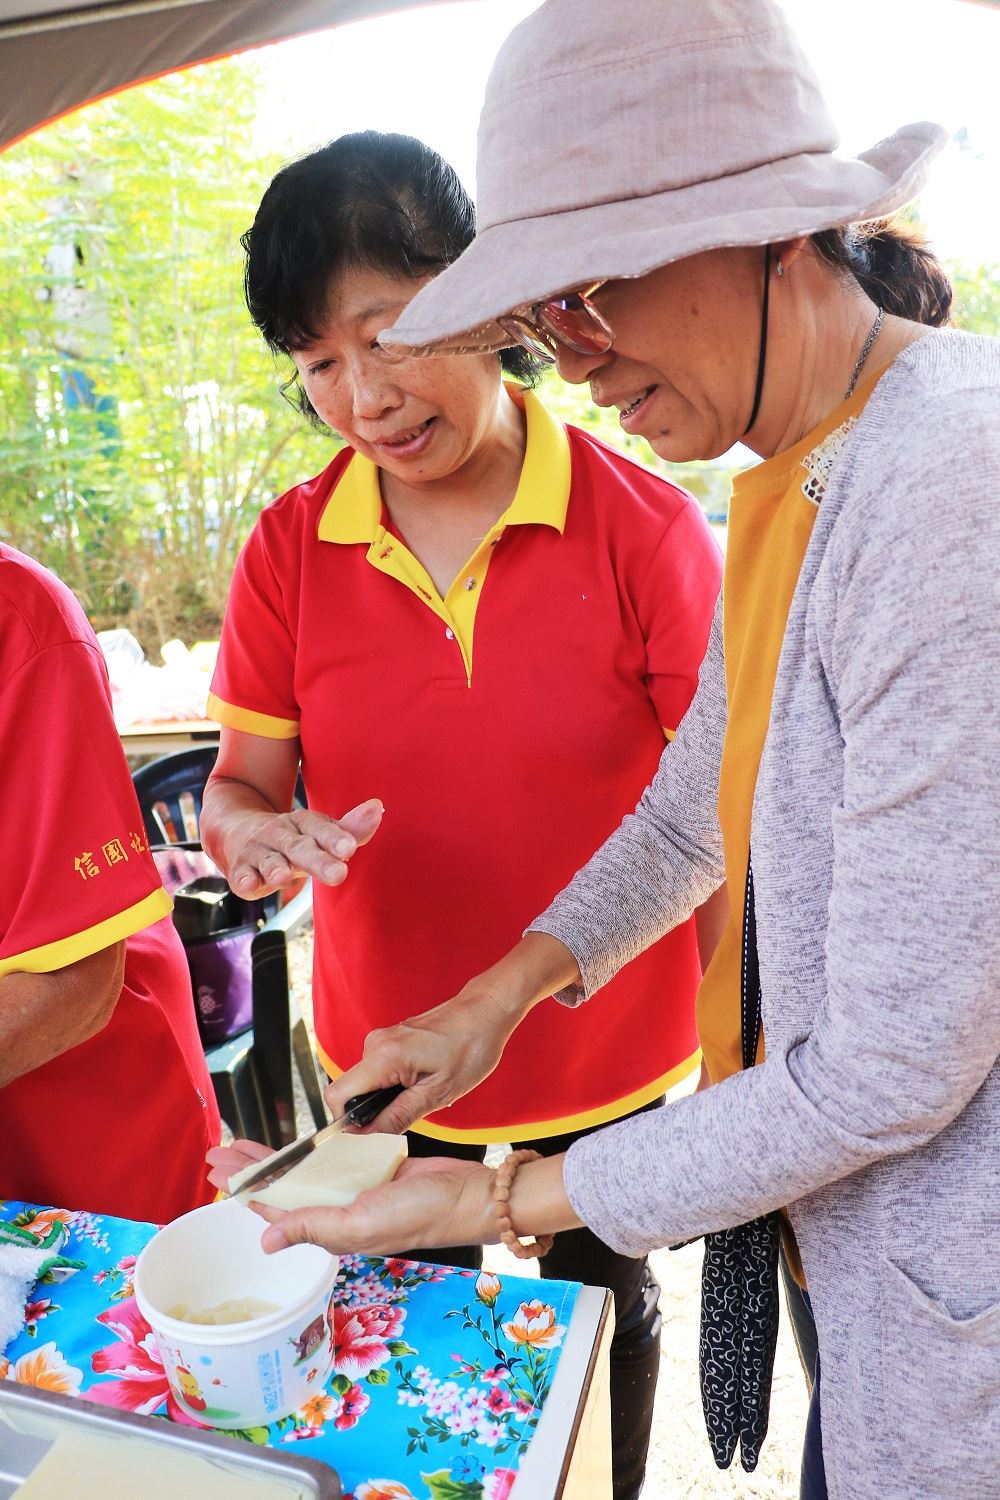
(353, 512)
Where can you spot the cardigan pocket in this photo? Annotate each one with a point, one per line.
(942, 1382)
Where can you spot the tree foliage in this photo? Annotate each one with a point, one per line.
(141, 428)
(976, 307)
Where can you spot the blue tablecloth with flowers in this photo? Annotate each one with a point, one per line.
(439, 1374)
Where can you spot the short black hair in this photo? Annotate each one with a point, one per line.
(368, 200)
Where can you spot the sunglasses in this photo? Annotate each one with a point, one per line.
(571, 320)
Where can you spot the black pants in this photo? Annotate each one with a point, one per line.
(800, 1313)
(803, 1323)
(578, 1255)
(813, 1483)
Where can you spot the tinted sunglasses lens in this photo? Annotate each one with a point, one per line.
(533, 339)
(574, 323)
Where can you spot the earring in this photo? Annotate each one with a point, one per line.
(779, 269)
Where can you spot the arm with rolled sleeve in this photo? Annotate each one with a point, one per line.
(908, 1027)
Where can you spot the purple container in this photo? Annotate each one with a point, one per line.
(220, 979)
(217, 928)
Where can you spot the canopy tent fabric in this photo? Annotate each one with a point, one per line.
(56, 56)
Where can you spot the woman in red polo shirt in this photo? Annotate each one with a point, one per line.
(488, 621)
(105, 1099)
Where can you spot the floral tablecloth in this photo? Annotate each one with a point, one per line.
(439, 1375)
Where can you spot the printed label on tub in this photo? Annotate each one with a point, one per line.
(271, 1385)
(236, 1387)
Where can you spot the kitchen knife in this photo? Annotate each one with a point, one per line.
(360, 1111)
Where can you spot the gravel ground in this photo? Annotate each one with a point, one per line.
(680, 1462)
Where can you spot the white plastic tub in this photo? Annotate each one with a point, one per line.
(237, 1374)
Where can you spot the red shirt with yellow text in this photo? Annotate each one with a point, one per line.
(120, 1123)
(507, 727)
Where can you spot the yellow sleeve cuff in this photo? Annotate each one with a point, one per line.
(69, 950)
(249, 722)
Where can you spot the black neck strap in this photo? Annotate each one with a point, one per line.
(750, 995)
(762, 355)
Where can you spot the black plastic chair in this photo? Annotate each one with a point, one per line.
(251, 1072)
(170, 790)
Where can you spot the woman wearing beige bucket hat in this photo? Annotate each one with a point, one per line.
(660, 205)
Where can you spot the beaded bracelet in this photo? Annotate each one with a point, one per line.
(501, 1197)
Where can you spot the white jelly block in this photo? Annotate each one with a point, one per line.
(336, 1172)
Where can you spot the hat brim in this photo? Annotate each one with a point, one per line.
(521, 262)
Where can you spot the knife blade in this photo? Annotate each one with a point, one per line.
(360, 1111)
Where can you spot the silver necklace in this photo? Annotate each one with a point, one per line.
(866, 349)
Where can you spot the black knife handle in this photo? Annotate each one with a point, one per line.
(362, 1109)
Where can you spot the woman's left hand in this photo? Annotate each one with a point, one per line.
(432, 1201)
(226, 1161)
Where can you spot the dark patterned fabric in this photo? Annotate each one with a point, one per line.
(739, 1331)
(739, 1286)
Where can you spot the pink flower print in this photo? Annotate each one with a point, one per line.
(396, 1266)
(353, 1405)
(489, 1433)
(461, 1416)
(366, 1289)
(34, 1312)
(125, 1269)
(427, 1272)
(475, 1402)
(498, 1401)
(498, 1485)
(140, 1382)
(360, 1337)
(441, 1398)
(382, 1319)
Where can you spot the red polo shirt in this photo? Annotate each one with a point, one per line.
(119, 1124)
(507, 727)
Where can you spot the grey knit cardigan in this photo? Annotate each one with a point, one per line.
(875, 843)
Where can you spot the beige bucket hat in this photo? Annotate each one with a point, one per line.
(621, 135)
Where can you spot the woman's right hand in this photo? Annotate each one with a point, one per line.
(439, 1055)
(442, 1053)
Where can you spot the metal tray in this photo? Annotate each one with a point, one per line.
(30, 1420)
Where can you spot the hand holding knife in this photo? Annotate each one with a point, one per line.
(360, 1111)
